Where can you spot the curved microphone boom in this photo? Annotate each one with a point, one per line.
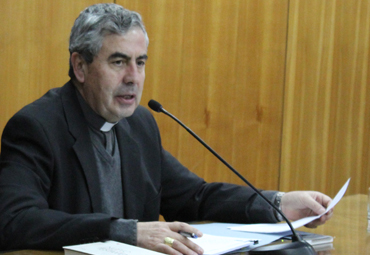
(297, 246)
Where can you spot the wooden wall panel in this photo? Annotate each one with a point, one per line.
(326, 134)
(219, 66)
(34, 53)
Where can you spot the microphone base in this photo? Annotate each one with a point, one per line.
(294, 248)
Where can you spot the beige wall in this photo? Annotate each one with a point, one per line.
(280, 88)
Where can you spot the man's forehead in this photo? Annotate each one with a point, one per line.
(131, 43)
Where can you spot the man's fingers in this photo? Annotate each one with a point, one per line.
(193, 246)
(321, 220)
(182, 244)
(315, 206)
(181, 226)
(177, 247)
(164, 237)
(185, 249)
(164, 248)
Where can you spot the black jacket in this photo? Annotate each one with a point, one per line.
(49, 185)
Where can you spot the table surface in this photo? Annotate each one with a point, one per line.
(348, 226)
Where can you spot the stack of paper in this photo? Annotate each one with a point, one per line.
(214, 245)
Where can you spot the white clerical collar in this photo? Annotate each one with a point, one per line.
(107, 126)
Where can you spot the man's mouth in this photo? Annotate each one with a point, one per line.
(128, 96)
(126, 99)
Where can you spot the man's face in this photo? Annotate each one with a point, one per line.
(114, 81)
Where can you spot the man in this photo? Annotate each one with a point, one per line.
(84, 163)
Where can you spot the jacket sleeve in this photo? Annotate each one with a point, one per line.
(187, 197)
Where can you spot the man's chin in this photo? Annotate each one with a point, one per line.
(117, 114)
(125, 114)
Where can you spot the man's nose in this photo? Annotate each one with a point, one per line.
(131, 74)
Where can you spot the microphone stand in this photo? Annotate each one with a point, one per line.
(297, 246)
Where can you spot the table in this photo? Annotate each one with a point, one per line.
(348, 227)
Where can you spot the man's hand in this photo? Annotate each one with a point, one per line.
(151, 235)
(300, 204)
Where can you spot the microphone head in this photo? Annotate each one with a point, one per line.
(155, 106)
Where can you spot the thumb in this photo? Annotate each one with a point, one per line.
(315, 206)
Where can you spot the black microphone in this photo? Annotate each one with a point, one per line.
(297, 246)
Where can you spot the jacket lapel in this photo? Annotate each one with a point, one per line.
(83, 146)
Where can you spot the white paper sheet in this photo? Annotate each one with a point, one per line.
(281, 227)
(107, 248)
(213, 245)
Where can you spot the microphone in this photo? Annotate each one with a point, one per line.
(297, 246)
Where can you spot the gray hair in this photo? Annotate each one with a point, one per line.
(94, 23)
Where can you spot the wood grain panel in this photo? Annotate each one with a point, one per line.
(326, 134)
(259, 89)
(219, 67)
(34, 49)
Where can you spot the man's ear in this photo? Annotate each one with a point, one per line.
(79, 66)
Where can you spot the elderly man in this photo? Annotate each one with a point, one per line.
(85, 163)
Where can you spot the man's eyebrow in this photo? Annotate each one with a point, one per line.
(119, 55)
(143, 57)
(124, 56)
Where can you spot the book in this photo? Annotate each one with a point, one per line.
(318, 242)
(316, 239)
(107, 248)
